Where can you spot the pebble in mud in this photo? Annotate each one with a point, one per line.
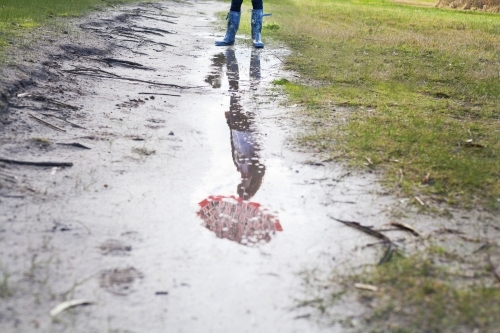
(115, 247)
(119, 281)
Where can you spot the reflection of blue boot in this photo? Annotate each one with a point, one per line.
(255, 73)
(233, 23)
(257, 15)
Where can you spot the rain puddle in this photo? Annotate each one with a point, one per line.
(233, 215)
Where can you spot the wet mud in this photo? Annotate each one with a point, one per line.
(178, 202)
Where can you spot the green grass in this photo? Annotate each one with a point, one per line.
(420, 293)
(416, 83)
(18, 17)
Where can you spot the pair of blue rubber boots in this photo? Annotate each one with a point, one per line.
(233, 23)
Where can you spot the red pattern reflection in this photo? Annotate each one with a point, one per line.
(238, 220)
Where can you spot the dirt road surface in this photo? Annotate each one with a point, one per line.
(166, 134)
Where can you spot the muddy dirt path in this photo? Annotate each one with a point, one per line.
(185, 208)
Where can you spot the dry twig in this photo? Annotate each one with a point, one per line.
(406, 227)
(43, 164)
(47, 123)
(107, 75)
(65, 120)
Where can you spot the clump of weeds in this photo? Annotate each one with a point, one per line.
(414, 90)
(5, 290)
(143, 151)
(271, 26)
(41, 142)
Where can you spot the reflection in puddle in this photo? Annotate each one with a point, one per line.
(231, 217)
(237, 220)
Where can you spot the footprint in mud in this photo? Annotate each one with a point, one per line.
(119, 281)
(131, 103)
(115, 247)
(155, 127)
(156, 120)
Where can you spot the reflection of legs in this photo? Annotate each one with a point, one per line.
(255, 65)
(214, 78)
(233, 70)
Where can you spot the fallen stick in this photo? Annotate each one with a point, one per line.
(447, 231)
(139, 38)
(7, 176)
(153, 29)
(144, 31)
(95, 73)
(65, 120)
(41, 98)
(12, 196)
(385, 240)
(126, 48)
(365, 287)
(366, 230)
(147, 93)
(42, 164)
(407, 227)
(111, 61)
(74, 144)
(387, 254)
(48, 124)
(419, 201)
(152, 18)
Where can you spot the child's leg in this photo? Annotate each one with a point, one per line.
(233, 23)
(257, 4)
(257, 14)
(236, 5)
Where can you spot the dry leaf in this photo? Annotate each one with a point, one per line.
(67, 305)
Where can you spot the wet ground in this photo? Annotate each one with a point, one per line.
(186, 208)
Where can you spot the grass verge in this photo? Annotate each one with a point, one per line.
(420, 89)
(18, 17)
(420, 293)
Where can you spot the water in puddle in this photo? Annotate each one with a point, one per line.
(234, 216)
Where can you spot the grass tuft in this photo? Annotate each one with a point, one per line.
(143, 151)
(271, 26)
(5, 290)
(41, 142)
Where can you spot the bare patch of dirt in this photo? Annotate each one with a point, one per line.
(484, 5)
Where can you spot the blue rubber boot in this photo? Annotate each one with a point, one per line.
(233, 23)
(257, 15)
